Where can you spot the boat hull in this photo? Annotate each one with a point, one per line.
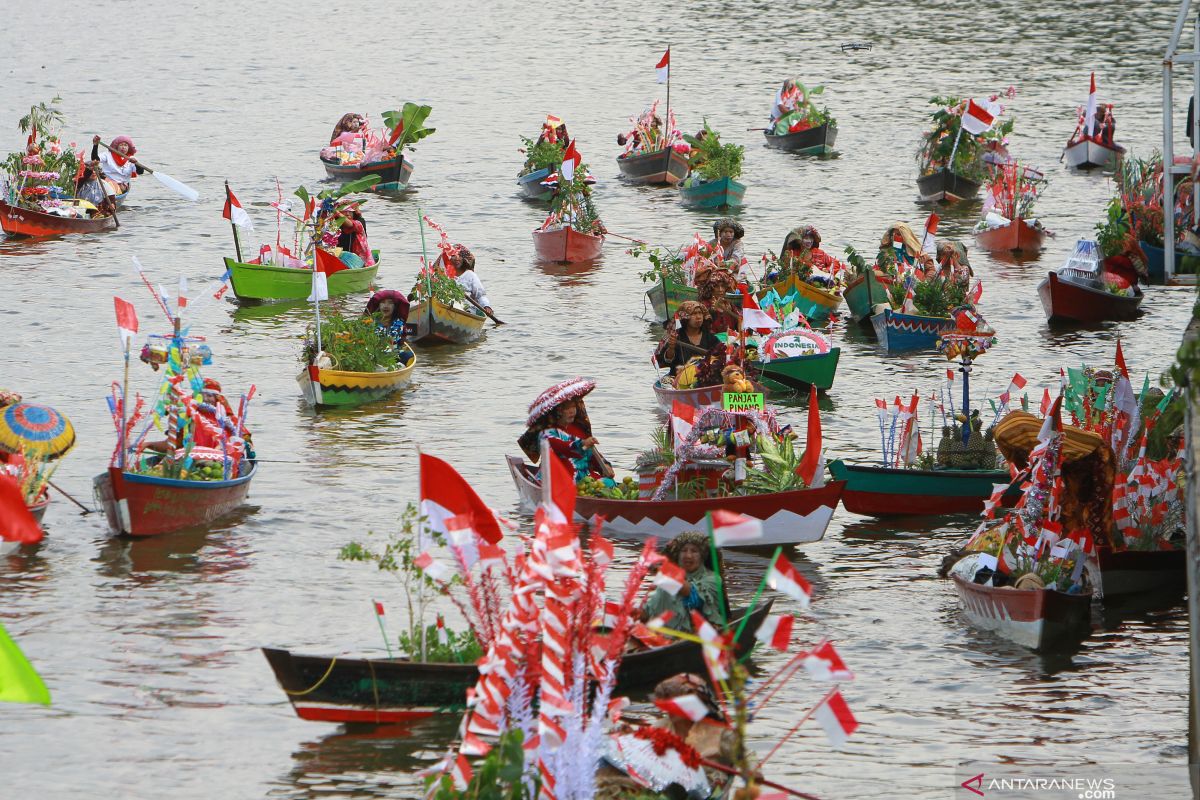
(38, 509)
(331, 387)
(1087, 154)
(257, 283)
(863, 294)
(665, 167)
(812, 142)
(18, 221)
(1039, 619)
(442, 324)
(146, 505)
(396, 170)
(801, 372)
(1124, 572)
(890, 491)
(1016, 237)
(946, 187)
(382, 691)
(566, 245)
(723, 193)
(901, 332)
(1070, 301)
(796, 517)
(531, 185)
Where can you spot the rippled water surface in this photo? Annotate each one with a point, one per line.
(151, 648)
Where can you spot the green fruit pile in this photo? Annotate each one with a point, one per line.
(627, 489)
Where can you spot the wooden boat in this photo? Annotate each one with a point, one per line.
(812, 142)
(381, 691)
(257, 283)
(898, 332)
(438, 323)
(666, 296)
(796, 517)
(1156, 267)
(723, 193)
(38, 508)
(1040, 619)
(1124, 572)
(946, 186)
(801, 372)
(1089, 154)
(897, 491)
(820, 302)
(21, 221)
(396, 171)
(699, 397)
(566, 245)
(531, 185)
(864, 294)
(332, 387)
(1075, 296)
(1017, 236)
(147, 505)
(665, 167)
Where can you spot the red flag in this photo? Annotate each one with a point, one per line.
(234, 212)
(558, 488)
(1046, 401)
(1121, 360)
(1017, 383)
(950, 375)
(776, 631)
(16, 523)
(931, 224)
(811, 463)
(663, 66)
(686, 706)
(378, 608)
(445, 494)
(670, 578)
(976, 119)
(783, 577)
(825, 664)
(33, 128)
(976, 292)
(396, 131)
(733, 529)
(571, 161)
(127, 321)
(328, 263)
(835, 717)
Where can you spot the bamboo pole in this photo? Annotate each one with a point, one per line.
(237, 245)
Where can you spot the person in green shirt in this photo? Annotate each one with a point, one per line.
(691, 552)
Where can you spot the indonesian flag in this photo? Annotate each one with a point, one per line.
(683, 418)
(824, 664)
(472, 745)
(670, 578)
(776, 631)
(181, 300)
(731, 528)
(1017, 383)
(812, 463)
(234, 211)
(1046, 401)
(461, 773)
(445, 494)
(571, 160)
(1089, 116)
(929, 242)
(977, 119)
(558, 487)
(16, 523)
(753, 317)
(434, 569)
(1052, 424)
(443, 637)
(328, 263)
(835, 717)
(783, 577)
(976, 292)
(664, 67)
(127, 321)
(686, 706)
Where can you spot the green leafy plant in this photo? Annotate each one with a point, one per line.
(932, 297)
(713, 160)
(46, 118)
(541, 155)
(856, 260)
(661, 453)
(665, 264)
(500, 776)
(572, 203)
(433, 281)
(778, 470)
(461, 648)
(355, 344)
(1112, 235)
(937, 144)
(412, 117)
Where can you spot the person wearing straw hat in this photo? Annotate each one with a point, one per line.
(389, 309)
(559, 417)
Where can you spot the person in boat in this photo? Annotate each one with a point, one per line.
(713, 285)
(785, 102)
(644, 135)
(568, 430)
(463, 262)
(389, 309)
(701, 592)
(901, 247)
(952, 261)
(352, 235)
(349, 123)
(1106, 126)
(688, 338)
(117, 162)
(727, 240)
(802, 253)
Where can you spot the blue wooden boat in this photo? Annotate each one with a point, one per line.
(531, 185)
(898, 332)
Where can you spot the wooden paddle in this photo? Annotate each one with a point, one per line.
(179, 187)
(622, 236)
(489, 314)
(86, 510)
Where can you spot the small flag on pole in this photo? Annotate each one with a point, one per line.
(825, 664)
(686, 706)
(784, 578)
(977, 119)
(1090, 114)
(378, 608)
(670, 578)
(835, 717)
(127, 321)
(776, 631)
(731, 528)
(235, 213)
(571, 161)
(664, 66)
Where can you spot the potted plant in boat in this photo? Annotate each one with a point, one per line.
(951, 159)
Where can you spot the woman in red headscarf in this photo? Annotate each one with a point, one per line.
(117, 163)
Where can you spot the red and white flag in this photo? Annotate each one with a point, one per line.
(558, 487)
(753, 317)
(445, 494)
(571, 160)
(776, 631)
(670, 578)
(461, 773)
(1017, 383)
(824, 664)
(929, 241)
(835, 717)
(472, 745)
(977, 119)
(1120, 359)
(234, 211)
(731, 528)
(686, 706)
(326, 264)
(434, 569)
(976, 292)
(1046, 401)
(443, 637)
(1089, 116)
(783, 577)
(683, 418)
(127, 321)
(664, 67)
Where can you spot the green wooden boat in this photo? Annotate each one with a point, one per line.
(258, 283)
(723, 193)
(893, 491)
(801, 372)
(665, 297)
(863, 294)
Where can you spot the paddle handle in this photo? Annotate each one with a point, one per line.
(622, 236)
(140, 164)
(758, 129)
(489, 314)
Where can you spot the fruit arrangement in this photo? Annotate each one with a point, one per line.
(627, 489)
(199, 471)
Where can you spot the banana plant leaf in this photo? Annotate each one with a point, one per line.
(411, 118)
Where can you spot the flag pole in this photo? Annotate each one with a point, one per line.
(379, 618)
(712, 544)
(667, 118)
(953, 150)
(124, 393)
(754, 600)
(237, 245)
(425, 258)
(796, 727)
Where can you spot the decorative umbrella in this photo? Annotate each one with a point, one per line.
(557, 394)
(38, 429)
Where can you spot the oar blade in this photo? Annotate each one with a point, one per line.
(180, 188)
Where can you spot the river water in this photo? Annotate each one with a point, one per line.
(150, 648)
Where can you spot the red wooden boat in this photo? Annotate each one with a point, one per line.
(661, 167)
(796, 517)
(146, 505)
(566, 245)
(20, 221)
(1073, 298)
(1136, 571)
(1040, 619)
(1017, 236)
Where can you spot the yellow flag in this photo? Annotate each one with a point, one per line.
(18, 681)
